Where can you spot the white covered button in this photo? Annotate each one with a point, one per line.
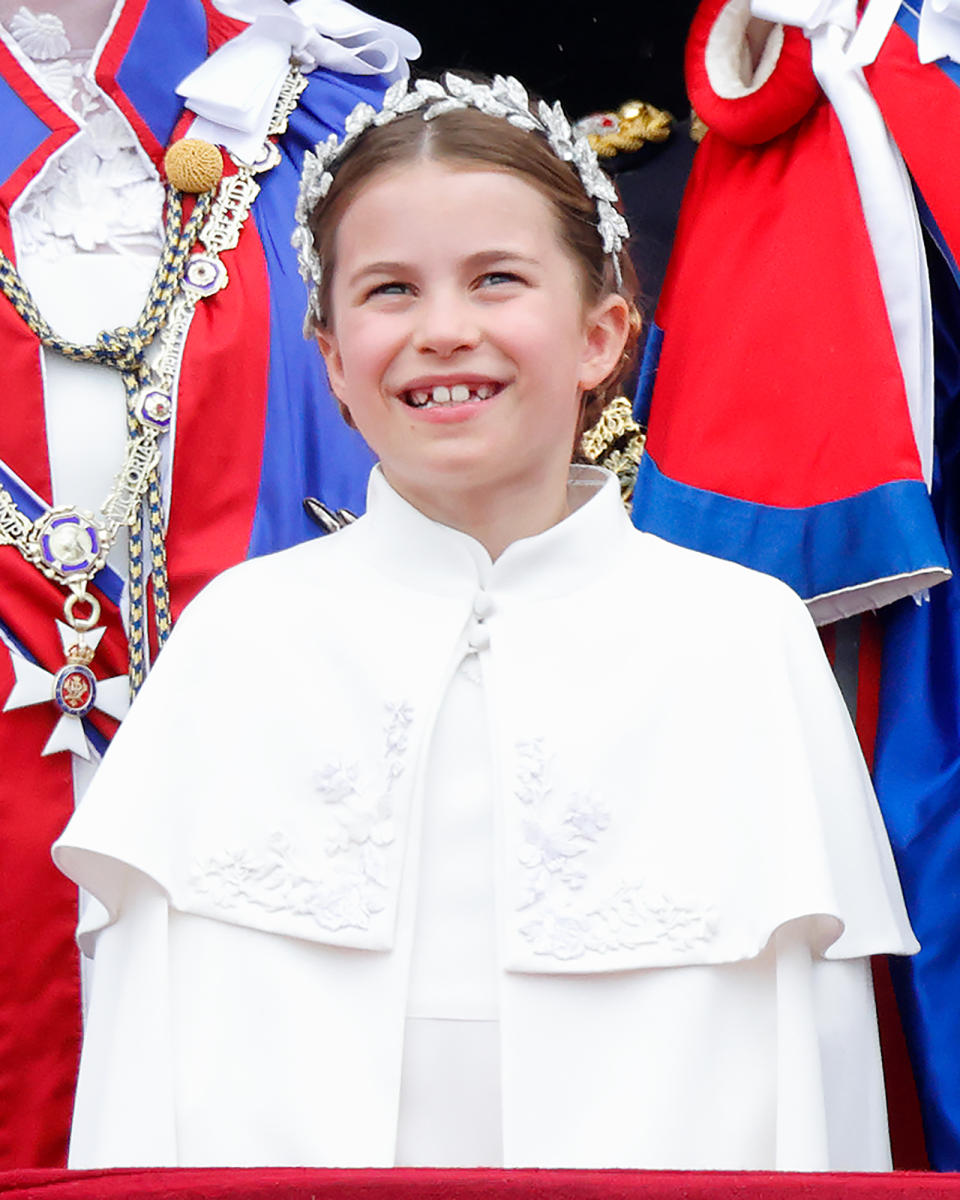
(478, 636)
(482, 605)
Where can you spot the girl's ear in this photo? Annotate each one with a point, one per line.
(334, 364)
(606, 330)
(330, 350)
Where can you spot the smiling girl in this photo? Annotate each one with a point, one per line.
(487, 831)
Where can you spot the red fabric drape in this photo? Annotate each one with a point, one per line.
(404, 1184)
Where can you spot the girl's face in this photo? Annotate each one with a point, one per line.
(459, 340)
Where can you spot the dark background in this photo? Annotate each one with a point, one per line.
(591, 56)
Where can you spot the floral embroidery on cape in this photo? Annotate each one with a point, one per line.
(360, 829)
(558, 833)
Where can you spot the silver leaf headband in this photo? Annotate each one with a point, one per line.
(504, 97)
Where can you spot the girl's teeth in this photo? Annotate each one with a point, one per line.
(459, 393)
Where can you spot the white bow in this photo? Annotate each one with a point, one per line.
(235, 90)
(889, 210)
(939, 34)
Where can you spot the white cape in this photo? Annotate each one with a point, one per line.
(678, 788)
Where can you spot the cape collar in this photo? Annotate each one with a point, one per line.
(432, 557)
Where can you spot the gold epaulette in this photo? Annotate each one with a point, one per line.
(616, 442)
(633, 125)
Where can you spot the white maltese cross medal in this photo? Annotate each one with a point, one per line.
(74, 689)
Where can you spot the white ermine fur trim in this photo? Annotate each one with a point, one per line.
(729, 58)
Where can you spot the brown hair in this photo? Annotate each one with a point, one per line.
(469, 137)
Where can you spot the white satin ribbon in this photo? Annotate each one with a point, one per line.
(234, 92)
(875, 23)
(808, 14)
(889, 209)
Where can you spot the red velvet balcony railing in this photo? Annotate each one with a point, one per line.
(403, 1184)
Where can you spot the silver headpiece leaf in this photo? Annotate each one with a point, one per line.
(504, 97)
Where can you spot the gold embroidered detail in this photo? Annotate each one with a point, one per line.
(627, 130)
(616, 442)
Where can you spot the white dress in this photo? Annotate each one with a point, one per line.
(655, 957)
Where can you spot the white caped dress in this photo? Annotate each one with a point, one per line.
(564, 860)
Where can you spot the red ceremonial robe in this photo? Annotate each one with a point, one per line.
(256, 430)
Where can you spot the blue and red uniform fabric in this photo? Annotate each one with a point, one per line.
(256, 431)
(779, 436)
(917, 758)
(773, 350)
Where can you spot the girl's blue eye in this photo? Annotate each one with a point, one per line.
(390, 289)
(501, 277)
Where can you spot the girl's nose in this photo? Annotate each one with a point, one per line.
(445, 325)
